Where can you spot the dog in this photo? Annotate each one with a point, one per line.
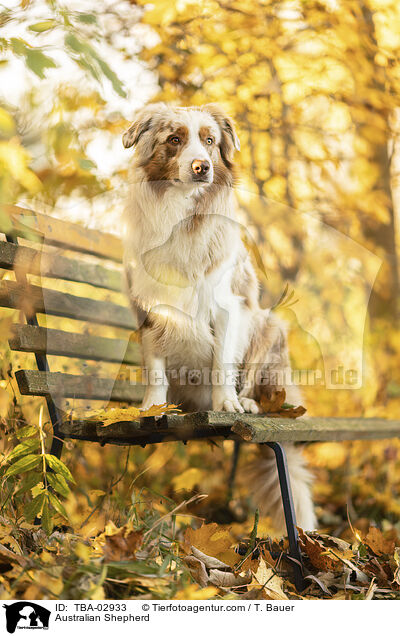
(193, 287)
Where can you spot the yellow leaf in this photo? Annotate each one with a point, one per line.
(83, 552)
(188, 479)
(4, 402)
(14, 160)
(213, 541)
(271, 582)
(195, 593)
(7, 124)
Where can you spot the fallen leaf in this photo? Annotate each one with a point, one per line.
(271, 582)
(377, 543)
(209, 562)
(396, 574)
(275, 406)
(318, 555)
(197, 570)
(122, 545)
(131, 413)
(209, 538)
(194, 593)
(229, 579)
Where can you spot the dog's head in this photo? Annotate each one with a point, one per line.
(183, 146)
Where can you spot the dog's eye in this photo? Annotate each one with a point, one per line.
(174, 140)
(209, 140)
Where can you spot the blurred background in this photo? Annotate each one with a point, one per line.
(314, 90)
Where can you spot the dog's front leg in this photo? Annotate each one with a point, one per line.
(224, 368)
(155, 365)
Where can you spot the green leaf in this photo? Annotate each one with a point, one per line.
(73, 43)
(24, 464)
(38, 62)
(26, 431)
(47, 520)
(57, 505)
(86, 164)
(18, 46)
(29, 482)
(24, 448)
(34, 507)
(81, 61)
(58, 483)
(59, 467)
(87, 18)
(88, 51)
(45, 25)
(116, 83)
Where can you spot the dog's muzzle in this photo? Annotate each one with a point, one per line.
(200, 170)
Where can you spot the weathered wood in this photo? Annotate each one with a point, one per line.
(74, 345)
(258, 429)
(52, 265)
(33, 225)
(86, 387)
(246, 427)
(34, 299)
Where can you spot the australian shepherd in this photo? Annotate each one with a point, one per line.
(193, 286)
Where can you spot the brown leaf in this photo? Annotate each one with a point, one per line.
(123, 545)
(229, 579)
(318, 555)
(381, 571)
(197, 570)
(274, 405)
(297, 411)
(377, 542)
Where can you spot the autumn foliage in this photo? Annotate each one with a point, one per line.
(314, 89)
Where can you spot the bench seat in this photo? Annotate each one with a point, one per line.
(247, 427)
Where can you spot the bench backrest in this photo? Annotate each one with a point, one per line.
(39, 250)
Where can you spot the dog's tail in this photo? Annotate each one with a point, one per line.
(263, 485)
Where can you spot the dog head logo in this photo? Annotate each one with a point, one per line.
(26, 615)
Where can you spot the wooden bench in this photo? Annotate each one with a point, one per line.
(41, 250)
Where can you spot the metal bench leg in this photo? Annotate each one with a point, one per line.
(55, 417)
(290, 516)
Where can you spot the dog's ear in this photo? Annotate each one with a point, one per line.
(144, 120)
(229, 139)
(141, 125)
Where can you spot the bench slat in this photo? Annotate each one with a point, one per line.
(33, 225)
(31, 261)
(37, 299)
(65, 385)
(74, 345)
(246, 427)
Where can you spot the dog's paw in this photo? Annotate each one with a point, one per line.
(151, 401)
(249, 405)
(232, 406)
(227, 402)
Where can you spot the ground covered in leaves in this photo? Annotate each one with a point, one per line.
(157, 523)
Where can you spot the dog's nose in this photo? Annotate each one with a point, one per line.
(200, 167)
